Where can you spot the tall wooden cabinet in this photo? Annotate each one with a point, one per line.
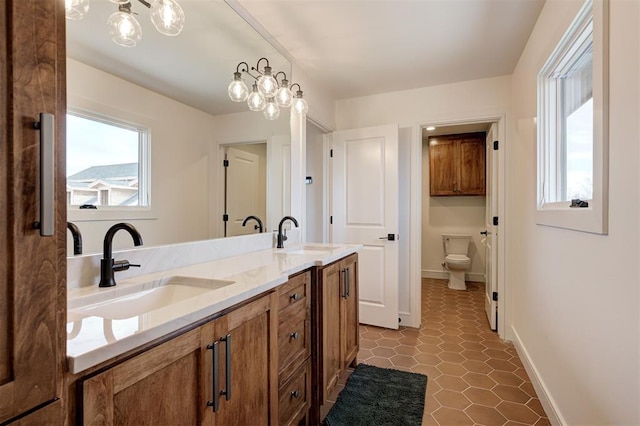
(335, 308)
(32, 267)
(457, 164)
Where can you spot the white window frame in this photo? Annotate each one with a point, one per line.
(594, 218)
(142, 211)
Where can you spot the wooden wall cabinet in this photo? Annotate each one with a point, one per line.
(32, 267)
(337, 344)
(180, 382)
(457, 164)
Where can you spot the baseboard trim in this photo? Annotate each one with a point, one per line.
(444, 275)
(547, 401)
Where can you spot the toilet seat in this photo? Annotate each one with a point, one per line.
(457, 258)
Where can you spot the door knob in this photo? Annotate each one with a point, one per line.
(484, 233)
(389, 237)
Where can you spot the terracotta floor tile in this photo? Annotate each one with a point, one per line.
(479, 380)
(474, 377)
(452, 399)
(517, 412)
(448, 416)
(511, 393)
(482, 397)
(485, 415)
(452, 383)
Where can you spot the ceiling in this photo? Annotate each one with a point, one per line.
(350, 48)
(362, 47)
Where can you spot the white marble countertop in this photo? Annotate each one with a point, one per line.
(92, 340)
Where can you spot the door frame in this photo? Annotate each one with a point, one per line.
(415, 261)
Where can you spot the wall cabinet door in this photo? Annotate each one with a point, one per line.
(179, 382)
(32, 267)
(457, 164)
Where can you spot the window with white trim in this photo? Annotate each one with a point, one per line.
(107, 162)
(572, 126)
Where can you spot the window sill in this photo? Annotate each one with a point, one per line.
(583, 219)
(74, 214)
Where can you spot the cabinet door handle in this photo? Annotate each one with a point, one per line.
(294, 335)
(347, 282)
(295, 394)
(227, 392)
(344, 283)
(294, 297)
(215, 392)
(46, 125)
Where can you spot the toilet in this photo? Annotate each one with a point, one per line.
(456, 261)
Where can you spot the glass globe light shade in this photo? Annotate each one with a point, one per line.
(124, 29)
(238, 90)
(167, 16)
(300, 106)
(284, 97)
(271, 111)
(76, 9)
(256, 100)
(267, 85)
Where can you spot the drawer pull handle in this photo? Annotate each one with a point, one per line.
(294, 335)
(295, 394)
(294, 297)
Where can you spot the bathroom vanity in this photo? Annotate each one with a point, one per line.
(256, 338)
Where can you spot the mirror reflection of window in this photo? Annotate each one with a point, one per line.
(105, 162)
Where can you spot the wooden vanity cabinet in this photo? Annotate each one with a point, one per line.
(457, 164)
(294, 349)
(335, 310)
(32, 266)
(174, 383)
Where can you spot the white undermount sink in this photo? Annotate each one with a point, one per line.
(308, 250)
(146, 297)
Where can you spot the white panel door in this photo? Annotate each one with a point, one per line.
(491, 239)
(242, 191)
(365, 211)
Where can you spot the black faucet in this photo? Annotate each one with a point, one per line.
(77, 237)
(107, 265)
(282, 237)
(257, 219)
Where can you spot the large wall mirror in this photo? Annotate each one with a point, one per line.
(156, 121)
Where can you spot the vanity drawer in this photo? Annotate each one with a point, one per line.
(294, 339)
(294, 399)
(295, 291)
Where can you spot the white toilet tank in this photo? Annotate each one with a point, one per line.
(456, 243)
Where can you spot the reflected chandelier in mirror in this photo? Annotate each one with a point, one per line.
(267, 94)
(125, 30)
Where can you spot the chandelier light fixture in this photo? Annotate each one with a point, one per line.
(166, 15)
(266, 94)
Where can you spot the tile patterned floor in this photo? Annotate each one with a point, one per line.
(475, 378)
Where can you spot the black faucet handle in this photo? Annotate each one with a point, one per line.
(123, 265)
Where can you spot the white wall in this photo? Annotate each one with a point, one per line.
(315, 190)
(409, 108)
(449, 215)
(574, 296)
(179, 165)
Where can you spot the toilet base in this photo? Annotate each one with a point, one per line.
(456, 280)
